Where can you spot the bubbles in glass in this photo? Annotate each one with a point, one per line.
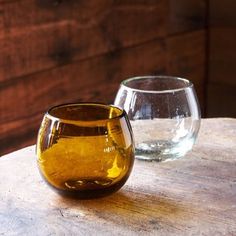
(164, 114)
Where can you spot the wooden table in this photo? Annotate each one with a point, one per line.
(192, 196)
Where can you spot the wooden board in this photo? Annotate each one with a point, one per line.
(195, 195)
(39, 35)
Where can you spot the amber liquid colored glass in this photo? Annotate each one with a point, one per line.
(85, 150)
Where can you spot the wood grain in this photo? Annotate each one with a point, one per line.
(28, 13)
(195, 195)
(39, 36)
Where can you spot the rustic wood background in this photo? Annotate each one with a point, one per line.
(55, 51)
(222, 59)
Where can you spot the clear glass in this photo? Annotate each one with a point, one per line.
(164, 115)
(85, 150)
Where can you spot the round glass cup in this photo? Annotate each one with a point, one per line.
(164, 114)
(85, 150)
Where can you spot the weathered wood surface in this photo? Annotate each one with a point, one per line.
(195, 195)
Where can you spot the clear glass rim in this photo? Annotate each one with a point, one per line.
(187, 82)
(72, 121)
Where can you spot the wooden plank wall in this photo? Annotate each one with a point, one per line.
(54, 51)
(222, 59)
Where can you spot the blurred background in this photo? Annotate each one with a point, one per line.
(59, 51)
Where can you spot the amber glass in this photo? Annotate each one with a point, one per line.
(85, 150)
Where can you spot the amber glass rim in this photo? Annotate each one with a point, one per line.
(55, 118)
(187, 83)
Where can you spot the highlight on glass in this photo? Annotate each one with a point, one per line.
(85, 150)
(164, 115)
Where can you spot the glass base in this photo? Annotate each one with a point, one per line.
(88, 188)
(162, 150)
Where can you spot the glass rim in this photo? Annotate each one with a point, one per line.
(188, 83)
(71, 121)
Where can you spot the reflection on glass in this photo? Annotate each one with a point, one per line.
(164, 115)
(85, 150)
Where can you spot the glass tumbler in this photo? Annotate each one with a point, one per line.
(85, 150)
(164, 115)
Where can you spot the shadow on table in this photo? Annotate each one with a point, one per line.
(127, 208)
